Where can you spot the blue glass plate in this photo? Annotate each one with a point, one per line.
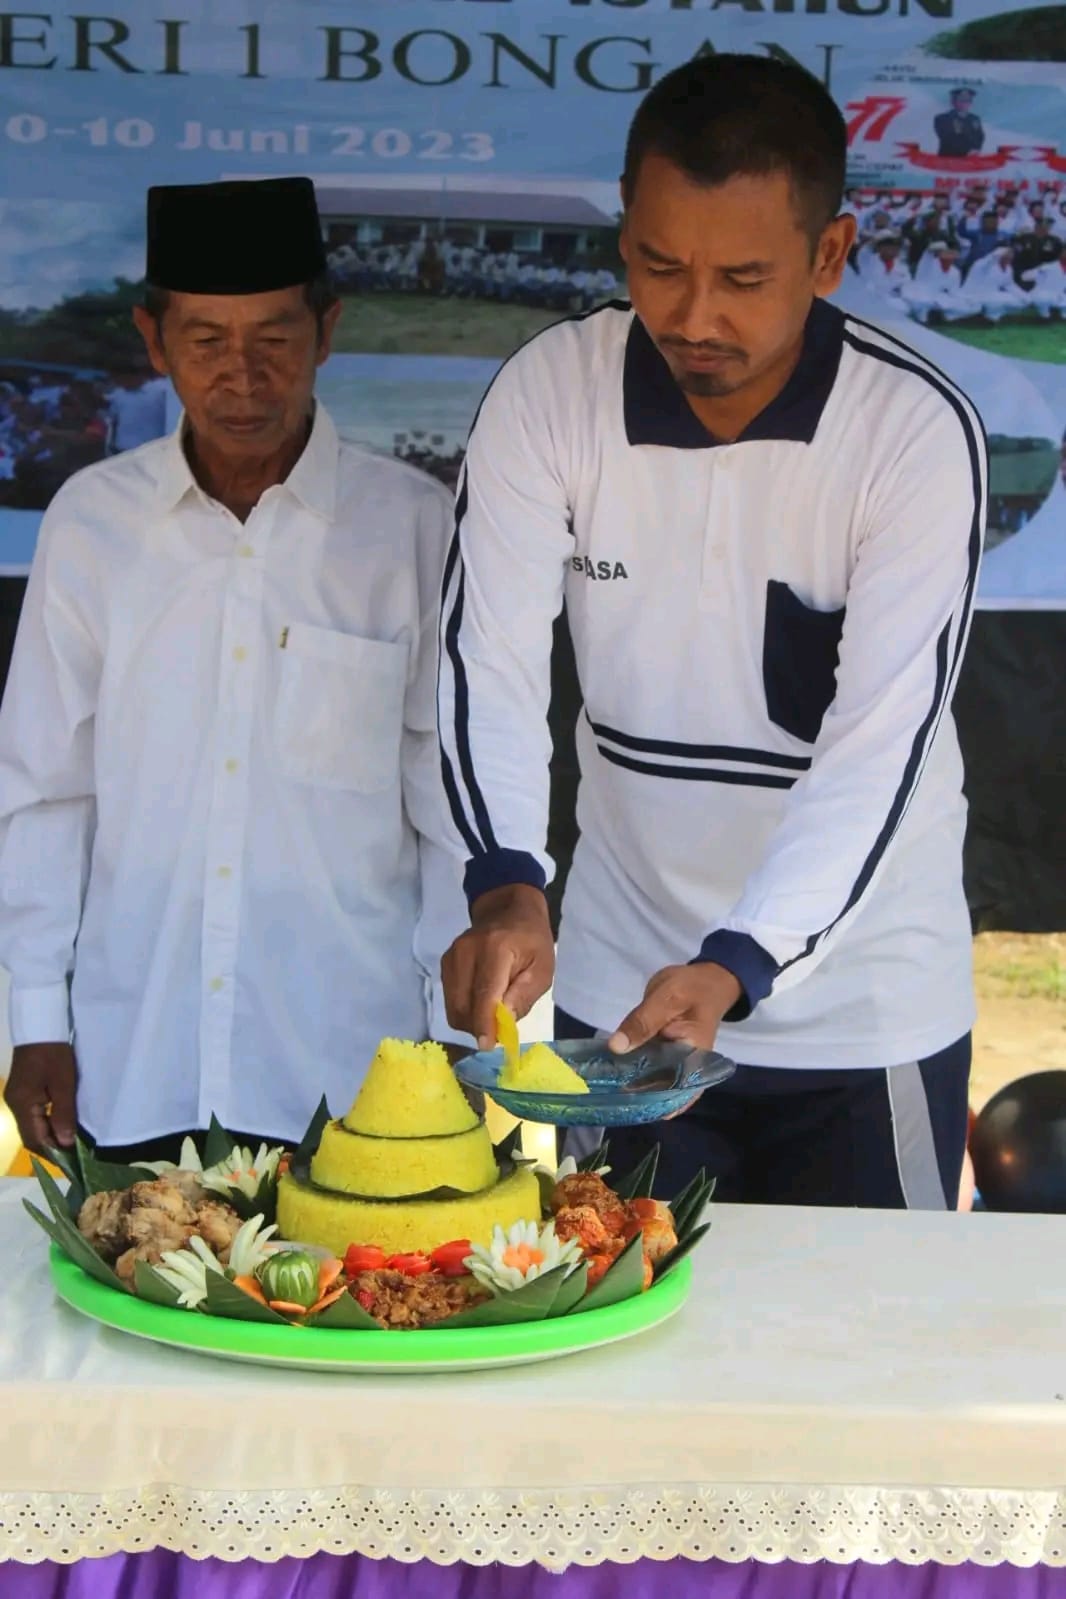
(624, 1090)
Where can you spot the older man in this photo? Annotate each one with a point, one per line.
(221, 872)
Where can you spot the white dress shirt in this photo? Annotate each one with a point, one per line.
(220, 803)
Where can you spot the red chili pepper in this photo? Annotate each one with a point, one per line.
(363, 1257)
(365, 1298)
(410, 1265)
(450, 1259)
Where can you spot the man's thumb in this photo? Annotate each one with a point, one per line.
(636, 1028)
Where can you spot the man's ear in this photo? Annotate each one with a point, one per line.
(329, 324)
(151, 333)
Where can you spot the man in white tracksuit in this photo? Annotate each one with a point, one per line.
(765, 519)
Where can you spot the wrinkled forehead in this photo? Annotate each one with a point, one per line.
(276, 308)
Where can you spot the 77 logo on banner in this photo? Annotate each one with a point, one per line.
(870, 119)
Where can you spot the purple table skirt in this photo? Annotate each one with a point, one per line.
(164, 1576)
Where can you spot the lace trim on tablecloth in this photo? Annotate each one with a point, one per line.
(551, 1528)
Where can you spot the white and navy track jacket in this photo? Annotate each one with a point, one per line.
(768, 634)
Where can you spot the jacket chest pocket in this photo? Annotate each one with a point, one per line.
(801, 650)
(339, 711)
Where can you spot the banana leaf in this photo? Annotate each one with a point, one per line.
(683, 1248)
(684, 1198)
(572, 1291)
(641, 1181)
(622, 1280)
(691, 1213)
(104, 1176)
(301, 1155)
(532, 1302)
(68, 1163)
(345, 1312)
(546, 1183)
(226, 1299)
(218, 1144)
(595, 1158)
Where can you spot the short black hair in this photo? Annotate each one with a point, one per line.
(725, 116)
(320, 293)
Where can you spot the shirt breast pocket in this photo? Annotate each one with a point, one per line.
(801, 650)
(339, 712)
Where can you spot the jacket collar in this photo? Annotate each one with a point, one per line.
(656, 411)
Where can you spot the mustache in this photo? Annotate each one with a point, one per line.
(705, 347)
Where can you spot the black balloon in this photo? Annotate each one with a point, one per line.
(1018, 1146)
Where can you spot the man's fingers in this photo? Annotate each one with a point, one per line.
(492, 980)
(526, 987)
(34, 1127)
(63, 1113)
(457, 970)
(655, 1011)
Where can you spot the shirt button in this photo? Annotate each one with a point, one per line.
(240, 653)
(217, 985)
(245, 551)
(225, 871)
(232, 765)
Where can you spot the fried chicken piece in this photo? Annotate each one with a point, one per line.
(586, 1225)
(164, 1197)
(586, 1189)
(187, 1183)
(155, 1230)
(102, 1221)
(151, 1253)
(158, 1216)
(218, 1225)
(655, 1220)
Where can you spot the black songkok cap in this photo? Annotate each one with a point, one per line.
(234, 238)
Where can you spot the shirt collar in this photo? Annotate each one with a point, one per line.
(312, 481)
(656, 411)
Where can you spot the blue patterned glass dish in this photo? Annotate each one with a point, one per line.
(624, 1090)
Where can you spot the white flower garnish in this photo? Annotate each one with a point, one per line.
(520, 1255)
(186, 1269)
(251, 1247)
(188, 1160)
(242, 1170)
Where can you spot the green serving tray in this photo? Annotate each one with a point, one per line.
(325, 1349)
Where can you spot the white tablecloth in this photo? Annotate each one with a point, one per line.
(842, 1385)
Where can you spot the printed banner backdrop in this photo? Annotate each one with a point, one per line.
(465, 154)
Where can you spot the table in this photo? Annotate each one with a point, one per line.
(843, 1387)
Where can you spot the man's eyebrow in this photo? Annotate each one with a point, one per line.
(742, 269)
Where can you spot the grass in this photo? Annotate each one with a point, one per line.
(1019, 966)
(1018, 341)
(407, 324)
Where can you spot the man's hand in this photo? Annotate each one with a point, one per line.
(41, 1091)
(685, 1003)
(507, 954)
